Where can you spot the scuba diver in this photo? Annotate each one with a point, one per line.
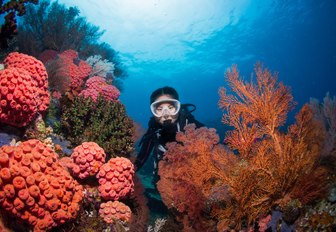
(169, 117)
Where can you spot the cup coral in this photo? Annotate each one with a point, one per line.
(116, 179)
(97, 85)
(18, 105)
(87, 159)
(23, 89)
(35, 188)
(37, 72)
(114, 210)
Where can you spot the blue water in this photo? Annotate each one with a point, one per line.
(189, 44)
(295, 38)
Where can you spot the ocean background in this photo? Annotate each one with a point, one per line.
(189, 44)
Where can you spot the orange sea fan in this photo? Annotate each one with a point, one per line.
(255, 109)
(190, 172)
(271, 163)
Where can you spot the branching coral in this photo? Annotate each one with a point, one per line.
(192, 168)
(270, 168)
(140, 211)
(272, 164)
(100, 67)
(256, 110)
(103, 122)
(326, 113)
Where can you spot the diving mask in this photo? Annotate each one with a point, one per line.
(163, 107)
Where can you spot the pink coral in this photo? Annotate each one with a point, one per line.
(35, 188)
(86, 93)
(110, 92)
(116, 178)
(97, 85)
(84, 69)
(87, 158)
(77, 69)
(70, 69)
(37, 72)
(114, 210)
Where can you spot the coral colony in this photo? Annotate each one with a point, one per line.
(38, 187)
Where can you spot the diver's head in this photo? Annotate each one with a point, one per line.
(165, 105)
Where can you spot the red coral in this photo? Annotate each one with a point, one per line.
(18, 95)
(70, 69)
(114, 210)
(116, 178)
(84, 69)
(88, 157)
(37, 72)
(75, 68)
(37, 187)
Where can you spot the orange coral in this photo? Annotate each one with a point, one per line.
(33, 194)
(271, 167)
(190, 171)
(116, 179)
(271, 162)
(114, 210)
(87, 159)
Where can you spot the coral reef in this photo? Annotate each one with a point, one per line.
(116, 179)
(267, 168)
(74, 68)
(100, 67)
(37, 72)
(103, 122)
(97, 85)
(35, 188)
(184, 184)
(87, 158)
(114, 210)
(23, 88)
(67, 72)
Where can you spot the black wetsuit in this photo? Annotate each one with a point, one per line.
(157, 136)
